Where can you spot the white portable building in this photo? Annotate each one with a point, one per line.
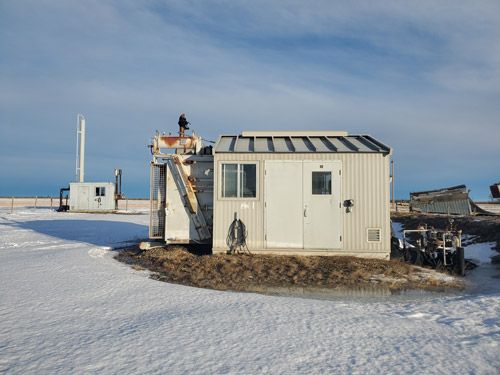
(313, 192)
(92, 196)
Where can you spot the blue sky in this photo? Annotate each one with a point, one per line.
(422, 77)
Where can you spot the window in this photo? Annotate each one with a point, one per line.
(322, 183)
(239, 180)
(100, 191)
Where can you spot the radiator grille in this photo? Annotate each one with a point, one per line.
(157, 200)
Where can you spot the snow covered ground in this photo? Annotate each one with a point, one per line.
(66, 306)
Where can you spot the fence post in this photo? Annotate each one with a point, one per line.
(36, 199)
(12, 205)
(50, 202)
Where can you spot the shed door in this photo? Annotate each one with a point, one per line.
(84, 198)
(322, 212)
(283, 204)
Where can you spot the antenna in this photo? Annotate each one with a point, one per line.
(80, 148)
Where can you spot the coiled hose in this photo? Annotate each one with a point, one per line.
(236, 238)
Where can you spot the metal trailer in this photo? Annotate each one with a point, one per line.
(303, 192)
(92, 196)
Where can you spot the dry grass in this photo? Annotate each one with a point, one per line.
(248, 272)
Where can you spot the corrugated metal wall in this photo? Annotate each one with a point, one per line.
(83, 196)
(453, 207)
(365, 179)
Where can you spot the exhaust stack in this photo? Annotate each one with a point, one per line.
(80, 148)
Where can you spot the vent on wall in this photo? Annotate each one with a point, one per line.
(373, 235)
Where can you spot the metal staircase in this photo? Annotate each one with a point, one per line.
(188, 193)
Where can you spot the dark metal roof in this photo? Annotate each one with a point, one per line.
(444, 194)
(299, 142)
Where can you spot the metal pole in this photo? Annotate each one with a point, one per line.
(392, 180)
(80, 148)
(444, 249)
(50, 202)
(12, 205)
(126, 204)
(36, 199)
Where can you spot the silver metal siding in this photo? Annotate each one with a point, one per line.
(365, 179)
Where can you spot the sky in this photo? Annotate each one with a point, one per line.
(422, 77)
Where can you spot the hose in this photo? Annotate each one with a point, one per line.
(236, 238)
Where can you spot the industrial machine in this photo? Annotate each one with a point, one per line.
(89, 196)
(181, 197)
(437, 248)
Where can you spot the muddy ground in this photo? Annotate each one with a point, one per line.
(273, 272)
(189, 266)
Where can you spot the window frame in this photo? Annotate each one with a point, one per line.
(100, 191)
(330, 187)
(238, 181)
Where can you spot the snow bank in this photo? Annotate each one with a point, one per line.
(67, 307)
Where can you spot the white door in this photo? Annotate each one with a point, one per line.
(322, 210)
(283, 204)
(84, 198)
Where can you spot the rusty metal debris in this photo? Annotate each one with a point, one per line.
(451, 201)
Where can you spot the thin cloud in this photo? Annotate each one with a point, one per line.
(422, 77)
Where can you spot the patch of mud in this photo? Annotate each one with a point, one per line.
(290, 275)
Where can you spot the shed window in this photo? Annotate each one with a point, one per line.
(100, 191)
(322, 183)
(239, 180)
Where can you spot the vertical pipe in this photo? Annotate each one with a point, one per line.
(444, 249)
(392, 180)
(461, 261)
(116, 189)
(80, 148)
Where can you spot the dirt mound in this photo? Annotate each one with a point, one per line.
(251, 272)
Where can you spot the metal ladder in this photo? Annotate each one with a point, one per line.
(189, 195)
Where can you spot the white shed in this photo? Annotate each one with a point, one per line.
(92, 196)
(312, 192)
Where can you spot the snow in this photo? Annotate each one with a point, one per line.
(398, 228)
(481, 252)
(66, 306)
